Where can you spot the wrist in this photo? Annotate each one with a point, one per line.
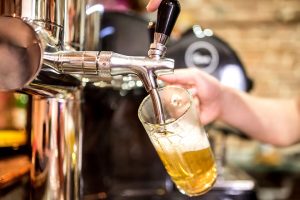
(228, 100)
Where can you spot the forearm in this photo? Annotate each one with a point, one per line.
(268, 120)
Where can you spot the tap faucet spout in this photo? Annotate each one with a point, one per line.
(147, 69)
(104, 64)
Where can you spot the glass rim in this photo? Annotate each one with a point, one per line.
(159, 89)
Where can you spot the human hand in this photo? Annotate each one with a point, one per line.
(204, 87)
(153, 5)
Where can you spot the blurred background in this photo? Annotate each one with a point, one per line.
(265, 34)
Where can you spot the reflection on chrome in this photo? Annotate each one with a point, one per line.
(43, 62)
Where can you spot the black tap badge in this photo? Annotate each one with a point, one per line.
(203, 55)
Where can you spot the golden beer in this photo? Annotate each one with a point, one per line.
(180, 141)
(188, 158)
(194, 172)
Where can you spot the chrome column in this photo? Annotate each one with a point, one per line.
(38, 41)
(56, 135)
(56, 147)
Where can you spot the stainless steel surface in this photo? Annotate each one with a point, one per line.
(78, 63)
(56, 147)
(75, 24)
(158, 47)
(48, 10)
(51, 31)
(105, 64)
(21, 54)
(161, 38)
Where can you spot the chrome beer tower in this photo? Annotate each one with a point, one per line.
(44, 52)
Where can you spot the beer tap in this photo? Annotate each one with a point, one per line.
(167, 14)
(106, 63)
(30, 48)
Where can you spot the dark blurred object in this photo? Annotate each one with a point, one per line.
(201, 48)
(17, 191)
(118, 155)
(119, 30)
(218, 194)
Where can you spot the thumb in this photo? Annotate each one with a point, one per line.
(153, 5)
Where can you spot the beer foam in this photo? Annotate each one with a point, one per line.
(192, 138)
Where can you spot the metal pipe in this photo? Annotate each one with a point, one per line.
(81, 63)
(44, 49)
(56, 148)
(74, 26)
(56, 133)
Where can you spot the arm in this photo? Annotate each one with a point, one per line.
(275, 121)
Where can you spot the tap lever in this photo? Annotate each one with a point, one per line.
(167, 14)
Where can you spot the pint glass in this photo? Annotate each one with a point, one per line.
(181, 141)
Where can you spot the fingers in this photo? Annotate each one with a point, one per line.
(181, 76)
(153, 5)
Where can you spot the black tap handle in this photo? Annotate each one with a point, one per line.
(167, 14)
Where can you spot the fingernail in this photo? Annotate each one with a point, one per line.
(148, 7)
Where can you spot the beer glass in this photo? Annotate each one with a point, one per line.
(181, 142)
